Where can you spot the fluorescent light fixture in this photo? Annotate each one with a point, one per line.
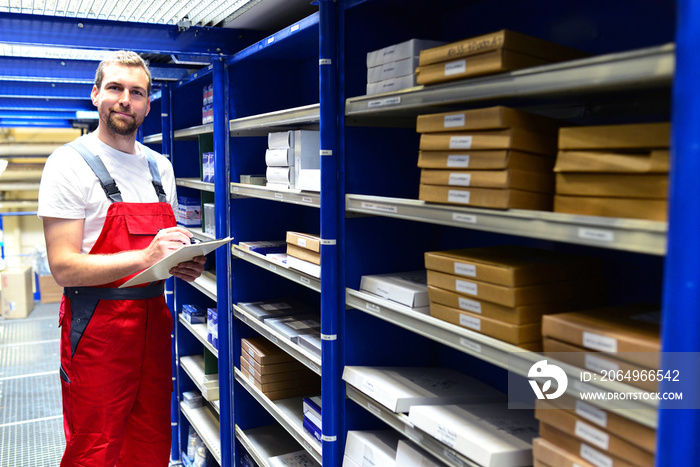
(87, 115)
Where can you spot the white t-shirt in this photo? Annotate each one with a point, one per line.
(69, 188)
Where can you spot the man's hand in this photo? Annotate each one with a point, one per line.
(189, 270)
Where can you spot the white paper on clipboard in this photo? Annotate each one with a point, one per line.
(159, 271)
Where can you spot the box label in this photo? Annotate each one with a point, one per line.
(466, 287)
(593, 414)
(461, 142)
(470, 322)
(458, 196)
(301, 242)
(598, 342)
(446, 435)
(592, 435)
(455, 68)
(458, 161)
(464, 269)
(594, 457)
(460, 179)
(454, 120)
(275, 306)
(470, 305)
(598, 365)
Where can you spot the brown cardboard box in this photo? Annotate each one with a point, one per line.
(513, 179)
(632, 208)
(550, 454)
(629, 332)
(586, 432)
(511, 138)
(615, 185)
(17, 294)
(50, 291)
(489, 118)
(284, 393)
(511, 333)
(484, 160)
(306, 384)
(586, 451)
(628, 136)
(538, 463)
(275, 368)
(510, 265)
(306, 241)
(264, 378)
(486, 197)
(498, 40)
(303, 253)
(514, 296)
(656, 161)
(263, 351)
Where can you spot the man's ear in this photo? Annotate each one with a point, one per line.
(93, 95)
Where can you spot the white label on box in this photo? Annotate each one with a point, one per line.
(372, 307)
(593, 414)
(251, 361)
(470, 305)
(446, 435)
(275, 306)
(383, 102)
(379, 207)
(251, 379)
(591, 434)
(301, 242)
(598, 342)
(464, 269)
(466, 287)
(304, 324)
(458, 196)
(455, 68)
(454, 120)
(466, 218)
(367, 387)
(368, 457)
(467, 344)
(461, 142)
(594, 457)
(596, 234)
(576, 465)
(458, 161)
(470, 322)
(460, 179)
(251, 371)
(598, 365)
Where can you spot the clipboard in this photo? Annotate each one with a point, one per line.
(159, 271)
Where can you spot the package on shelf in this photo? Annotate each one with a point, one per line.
(631, 333)
(548, 454)
(193, 440)
(496, 52)
(486, 198)
(306, 267)
(279, 157)
(509, 178)
(193, 314)
(578, 448)
(489, 434)
(17, 293)
(279, 258)
(642, 136)
(375, 447)
(311, 410)
(485, 160)
(208, 169)
(193, 399)
(613, 185)
(297, 383)
(486, 118)
(295, 325)
(312, 429)
(207, 114)
(406, 288)
(399, 388)
(280, 177)
(293, 459)
(646, 209)
(400, 51)
(311, 342)
(408, 456)
(304, 254)
(311, 244)
(258, 179)
(210, 219)
(263, 352)
(394, 69)
(601, 161)
(307, 160)
(280, 139)
(274, 308)
(264, 247)
(391, 85)
(297, 373)
(273, 368)
(189, 211)
(304, 240)
(213, 327)
(503, 139)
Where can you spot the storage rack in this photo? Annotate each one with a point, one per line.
(629, 73)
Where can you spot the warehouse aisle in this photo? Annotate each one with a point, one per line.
(31, 425)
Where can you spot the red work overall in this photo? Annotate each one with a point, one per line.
(116, 355)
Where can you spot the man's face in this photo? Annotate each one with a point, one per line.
(122, 102)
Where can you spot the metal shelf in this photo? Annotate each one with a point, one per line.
(304, 198)
(497, 352)
(305, 357)
(635, 70)
(153, 139)
(197, 232)
(291, 274)
(403, 425)
(265, 442)
(206, 424)
(194, 367)
(195, 183)
(200, 332)
(635, 235)
(289, 414)
(193, 132)
(206, 283)
(298, 118)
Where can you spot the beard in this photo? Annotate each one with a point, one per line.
(122, 126)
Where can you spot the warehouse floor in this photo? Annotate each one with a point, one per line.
(31, 425)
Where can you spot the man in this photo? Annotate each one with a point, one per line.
(107, 206)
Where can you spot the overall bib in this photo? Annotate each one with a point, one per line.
(116, 356)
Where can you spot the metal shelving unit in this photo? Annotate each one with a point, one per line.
(195, 183)
(200, 332)
(304, 198)
(207, 426)
(194, 367)
(279, 269)
(299, 118)
(265, 442)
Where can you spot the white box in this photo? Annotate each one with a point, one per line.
(311, 342)
(407, 288)
(408, 456)
(372, 448)
(280, 140)
(293, 459)
(309, 180)
(406, 66)
(410, 48)
(391, 85)
(293, 326)
(347, 462)
(398, 388)
(489, 434)
(307, 157)
(264, 309)
(280, 175)
(279, 157)
(253, 179)
(312, 410)
(304, 266)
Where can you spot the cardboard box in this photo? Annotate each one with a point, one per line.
(307, 241)
(550, 454)
(486, 197)
(50, 291)
(280, 140)
(488, 118)
(280, 157)
(511, 265)
(394, 69)
(306, 267)
(512, 333)
(407, 288)
(488, 434)
(586, 432)
(584, 450)
(301, 374)
(511, 138)
(17, 293)
(514, 179)
(631, 333)
(402, 50)
(285, 367)
(615, 185)
(376, 448)
(294, 326)
(632, 208)
(307, 154)
(627, 136)
(301, 385)
(656, 161)
(302, 253)
(399, 388)
(274, 308)
(408, 456)
(391, 85)
(311, 342)
(484, 160)
(503, 39)
(263, 351)
(515, 296)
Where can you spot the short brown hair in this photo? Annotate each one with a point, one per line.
(126, 58)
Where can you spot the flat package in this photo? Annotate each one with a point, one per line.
(294, 326)
(408, 456)
(266, 378)
(264, 247)
(654, 161)
(302, 384)
(615, 185)
(510, 138)
(400, 51)
(194, 314)
(391, 85)
(513, 178)
(489, 434)
(484, 160)
(586, 451)
(377, 447)
(487, 118)
(549, 454)
(627, 136)
(398, 388)
(311, 342)
(304, 254)
(633, 208)
(304, 240)
(263, 351)
(395, 69)
(274, 308)
(293, 459)
(406, 288)
(486, 197)
(274, 368)
(306, 267)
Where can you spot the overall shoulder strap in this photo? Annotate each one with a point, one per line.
(97, 166)
(155, 173)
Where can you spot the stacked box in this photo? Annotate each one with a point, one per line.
(274, 372)
(491, 53)
(194, 314)
(405, 288)
(189, 211)
(279, 159)
(276, 308)
(393, 68)
(376, 447)
(209, 219)
(294, 326)
(503, 291)
(213, 327)
(494, 157)
(208, 169)
(293, 160)
(264, 247)
(614, 171)
(304, 253)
